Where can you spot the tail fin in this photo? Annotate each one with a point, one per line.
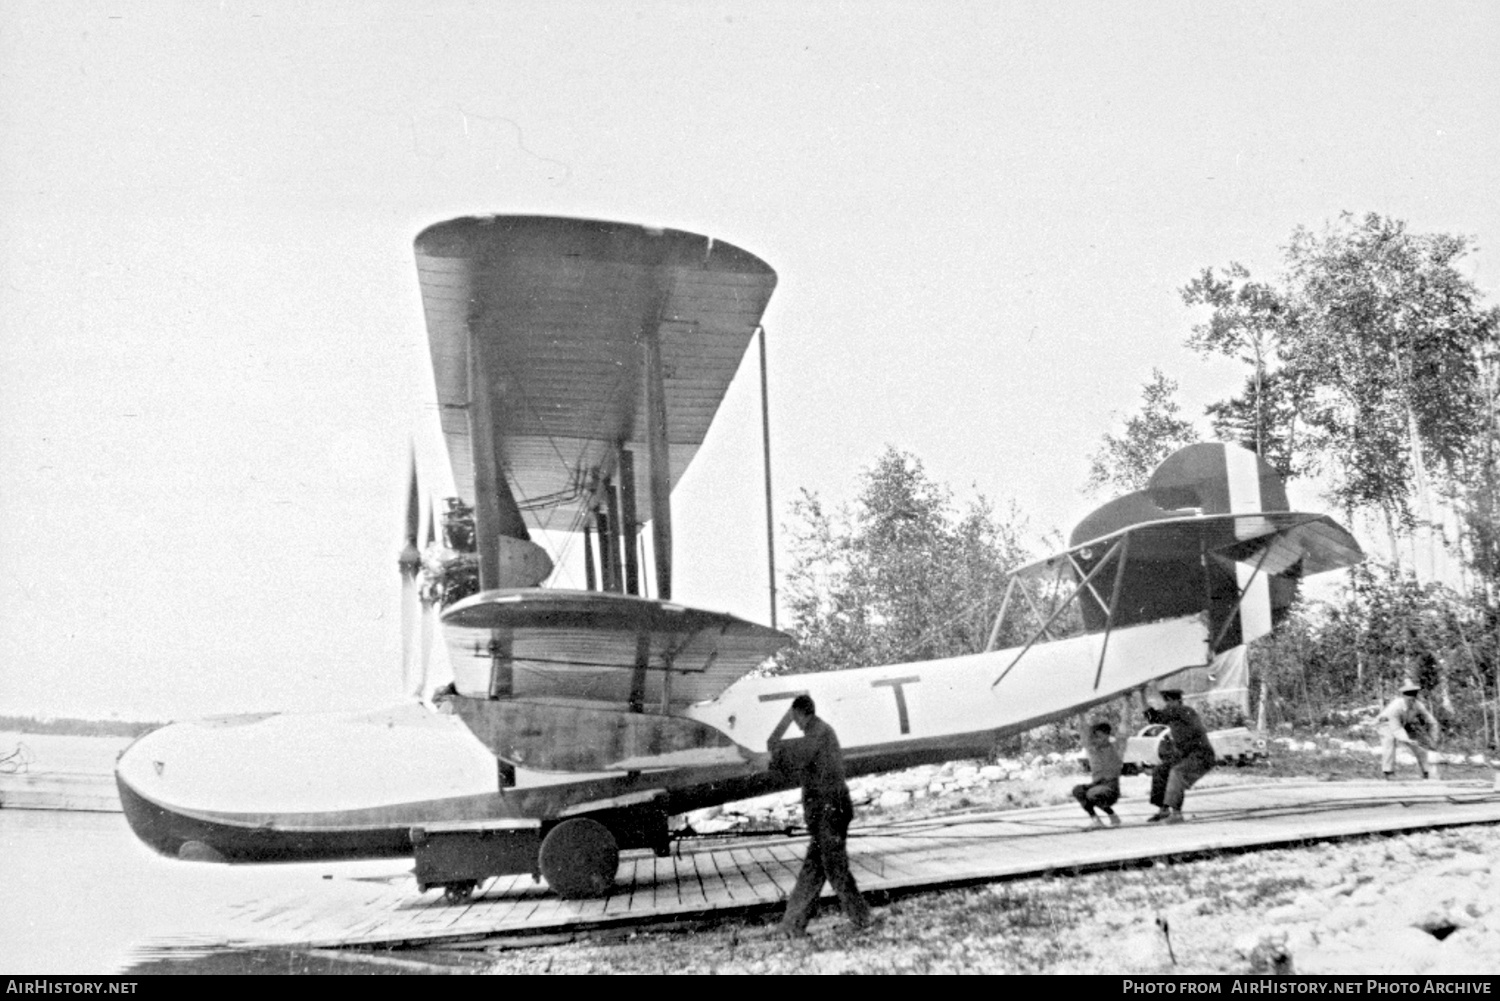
(1227, 479)
(1209, 550)
(1217, 479)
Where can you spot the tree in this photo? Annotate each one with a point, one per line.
(1331, 657)
(896, 576)
(450, 572)
(1373, 362)
(1248, 322)
(1389, 334)
(1262, 419)
(1125, 462)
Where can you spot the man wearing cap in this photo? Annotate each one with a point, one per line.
(1406, 721)
(817, 762)
(1190, 757)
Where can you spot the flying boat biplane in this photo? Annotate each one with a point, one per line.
(578, 366)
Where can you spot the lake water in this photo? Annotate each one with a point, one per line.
(82, 895)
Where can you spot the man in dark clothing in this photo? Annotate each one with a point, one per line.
(1186, 755)
(817, 762)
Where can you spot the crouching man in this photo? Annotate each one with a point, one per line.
(1406, 722)
(1191, 757)
(1106, 761)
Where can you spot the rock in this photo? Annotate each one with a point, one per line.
(1245, 942)
(1144, 950)
(753, 804)
(1305, 907)
(1469, 951)
(992, 773)
(1344, 919)
(1464, 863)
(893, 798)
(716, 825)
(1401, 951)
(1270, 956)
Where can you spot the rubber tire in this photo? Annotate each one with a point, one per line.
(579, 858)
(459, 893)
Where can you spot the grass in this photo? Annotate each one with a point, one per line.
(1161, 917)
(1190, 917)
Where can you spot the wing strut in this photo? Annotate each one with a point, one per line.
(659, 457)
(1229, 619)
(628, 520)
(1109, 610)
(1000, 619)
(1058, 611)
(1026, 593)
(618, 533)
(1092, 590)
(495, 510)
(590, 581)
(638, 674)
(765, 437)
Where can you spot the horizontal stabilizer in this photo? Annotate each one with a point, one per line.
(1279, 543)
(1282, 543)
(1210, 533)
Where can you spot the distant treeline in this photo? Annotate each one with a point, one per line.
(76, 727)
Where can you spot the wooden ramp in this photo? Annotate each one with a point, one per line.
(709, 877)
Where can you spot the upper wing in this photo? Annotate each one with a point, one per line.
(557, 310)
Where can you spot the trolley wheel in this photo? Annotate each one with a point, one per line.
(579, 858)
(460, 892)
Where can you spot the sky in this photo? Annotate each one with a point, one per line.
(981, 214)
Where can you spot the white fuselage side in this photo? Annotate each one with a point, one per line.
(934, 700)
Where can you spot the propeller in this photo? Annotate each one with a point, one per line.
(410, 560)
(413, 670)
(429, 611)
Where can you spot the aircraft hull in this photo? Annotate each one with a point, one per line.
(385, 832)
(300, 787)
(179, 834)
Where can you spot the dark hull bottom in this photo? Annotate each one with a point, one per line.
(167, 832)
(179, 836)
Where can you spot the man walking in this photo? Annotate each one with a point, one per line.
(817, 762)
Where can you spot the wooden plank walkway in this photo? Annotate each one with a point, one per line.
(720, 877)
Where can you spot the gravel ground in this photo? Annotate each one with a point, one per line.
(1427, 902)
(1366, 906)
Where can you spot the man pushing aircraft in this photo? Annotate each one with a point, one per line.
(817, 762)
